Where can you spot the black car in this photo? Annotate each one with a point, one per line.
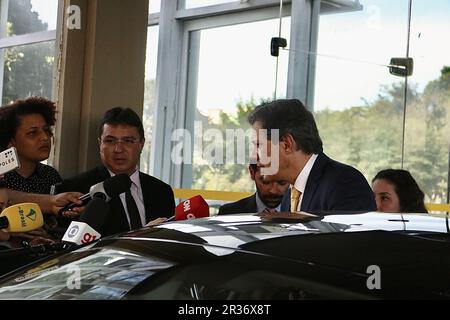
(264, 257)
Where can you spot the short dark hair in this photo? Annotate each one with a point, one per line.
(290, 116)
(10, 116)
(408, 191)
(121, 115)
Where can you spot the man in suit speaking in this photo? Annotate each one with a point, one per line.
(121, 139)
(318, 183)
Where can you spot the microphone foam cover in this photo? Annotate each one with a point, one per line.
(95, 213)
(116, 185)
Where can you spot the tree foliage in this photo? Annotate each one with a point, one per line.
(368, 137)
(28, 69)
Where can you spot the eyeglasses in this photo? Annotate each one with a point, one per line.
(112, 142)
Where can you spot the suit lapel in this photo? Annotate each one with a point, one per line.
(313, 180)
(286, 201)
(118, 218)
(251, 204)
(103, 173)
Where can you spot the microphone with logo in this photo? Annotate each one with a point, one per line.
(21, 217)
(91, 220)
(105, 190)
(195, 207)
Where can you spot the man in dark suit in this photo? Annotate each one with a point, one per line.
(295, 154)
(270, 196)
(121, 139)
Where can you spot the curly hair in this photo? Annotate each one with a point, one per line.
(10, 116)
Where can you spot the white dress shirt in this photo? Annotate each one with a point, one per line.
(302, 178)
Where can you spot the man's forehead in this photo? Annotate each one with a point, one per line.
(266, 178)
(119, 129)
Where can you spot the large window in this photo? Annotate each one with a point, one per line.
(359, 105)
(149, 95)
(234, 72)
(27, 47)
(337, 61)
(428, 105)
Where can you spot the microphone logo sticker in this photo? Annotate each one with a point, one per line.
(187, 206)
(32, 215)
(73, 231)
(22, 218)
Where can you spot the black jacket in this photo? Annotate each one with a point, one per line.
(248, 205)
(336, 186)
(158, 198)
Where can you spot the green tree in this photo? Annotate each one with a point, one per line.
(28, 69)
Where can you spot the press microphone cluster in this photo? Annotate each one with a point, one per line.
(195, 207)
(91, 221)
(105, 190)
(21, 217)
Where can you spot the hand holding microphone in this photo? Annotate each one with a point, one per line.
(21, 217)
(91, 221)
(105, 190)
(195, 207)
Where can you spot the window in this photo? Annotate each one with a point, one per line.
(428, 105)
(222, 61)
(25, 16)
(154, 6)
(27, 48)
(234, 72)
(202, 3)
(358, 104)
(149, 95)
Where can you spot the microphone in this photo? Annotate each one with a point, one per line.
(105, 190)
(21, 217)
(91, 220)
(195, 207)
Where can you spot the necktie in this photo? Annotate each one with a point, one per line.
(295, 197)
(133, 212)
(270, 210)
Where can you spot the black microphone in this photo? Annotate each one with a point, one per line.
(91, 221)
(105, 190)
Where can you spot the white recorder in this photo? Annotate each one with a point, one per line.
(8, 160)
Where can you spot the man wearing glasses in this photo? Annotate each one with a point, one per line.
(121, 139)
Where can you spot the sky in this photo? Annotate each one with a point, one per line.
(47, 10)
(235, 61)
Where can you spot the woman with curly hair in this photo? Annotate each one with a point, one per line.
(27, 126)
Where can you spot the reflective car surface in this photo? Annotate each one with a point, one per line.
(273, 256)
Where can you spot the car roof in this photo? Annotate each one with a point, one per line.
(334, 249)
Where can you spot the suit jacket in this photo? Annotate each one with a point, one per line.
(248, 205)
(158, 198)
(336, 186)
